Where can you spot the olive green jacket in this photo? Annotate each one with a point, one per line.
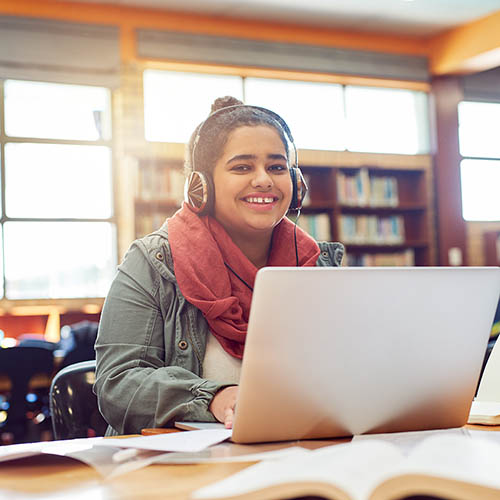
(151, 342)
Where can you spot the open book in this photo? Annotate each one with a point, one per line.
(445, 466)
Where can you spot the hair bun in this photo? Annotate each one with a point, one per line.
(224, 102)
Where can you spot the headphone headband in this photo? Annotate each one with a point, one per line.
(282, 125)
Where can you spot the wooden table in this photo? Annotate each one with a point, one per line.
(59, 478)
(50, 477)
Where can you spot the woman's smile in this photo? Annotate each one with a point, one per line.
(260, 201)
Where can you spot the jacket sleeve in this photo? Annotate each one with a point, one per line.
(136, 385)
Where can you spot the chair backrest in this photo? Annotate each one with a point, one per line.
(81, 343)
(19, 365)
(73, 405)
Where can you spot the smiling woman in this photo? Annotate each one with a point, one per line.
(173, 328)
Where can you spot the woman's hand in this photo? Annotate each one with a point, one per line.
(223, 404)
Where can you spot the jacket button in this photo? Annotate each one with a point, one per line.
(183, 345)
(159, 256)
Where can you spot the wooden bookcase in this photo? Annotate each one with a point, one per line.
(491, 241)
(159, 188)
(376, 230)
(159, 193)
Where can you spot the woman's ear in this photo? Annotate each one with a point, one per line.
(299, 188)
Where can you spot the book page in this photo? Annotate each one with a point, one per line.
(407, 441)
(455, 457)
(487, 412)
(353, 468)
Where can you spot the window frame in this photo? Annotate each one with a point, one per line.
(73, 303)
(477, 158)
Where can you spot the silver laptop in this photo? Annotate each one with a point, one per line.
(334, 352)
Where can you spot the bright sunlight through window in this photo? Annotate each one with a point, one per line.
(175, 103)
(323, 116)
(58, 229)
(313, 111)
(386, 120)
(55, 111)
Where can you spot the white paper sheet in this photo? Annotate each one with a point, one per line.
(61, 448)
(188, 441)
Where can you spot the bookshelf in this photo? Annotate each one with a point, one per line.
(379, 206)
(159, 186)
(491, 241)
(381, 214)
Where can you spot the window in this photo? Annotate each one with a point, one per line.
(313, 111)
(57, 216)
(479, 123)
(383, 120)
(175, 103)
(324, 116)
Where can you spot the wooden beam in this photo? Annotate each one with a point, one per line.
(470, 48)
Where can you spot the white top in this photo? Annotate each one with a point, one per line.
(220, 366)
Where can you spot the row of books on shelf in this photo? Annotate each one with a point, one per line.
(363, 189)
(316, 225)
(154, 182)
(371, 229)
(404, 258)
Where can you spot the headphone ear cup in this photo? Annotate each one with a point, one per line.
(299, 188)
(199, 193)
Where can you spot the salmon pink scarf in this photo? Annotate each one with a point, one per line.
(201, 248)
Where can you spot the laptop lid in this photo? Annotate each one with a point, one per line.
(339, 351)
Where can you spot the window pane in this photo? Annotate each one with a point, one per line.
(313, 111)
(57, 111)
(480, 182)
(64, 181)
(479, 125)
(386, 120)
(175, 103)
(58, 259)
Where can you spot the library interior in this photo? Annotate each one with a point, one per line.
(394, 108)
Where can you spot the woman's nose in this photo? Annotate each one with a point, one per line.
(262, 179)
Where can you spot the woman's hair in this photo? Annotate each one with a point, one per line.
(210, 136)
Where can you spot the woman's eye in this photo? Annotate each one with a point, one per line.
(278, 168)
(240, 168)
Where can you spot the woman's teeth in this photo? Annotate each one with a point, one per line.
(259, 200)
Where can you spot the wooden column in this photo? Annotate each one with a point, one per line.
(451, 227)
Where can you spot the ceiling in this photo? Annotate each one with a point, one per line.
(404, 17)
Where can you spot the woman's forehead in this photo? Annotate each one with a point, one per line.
(258, 136)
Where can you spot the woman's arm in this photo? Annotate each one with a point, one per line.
(141, 379)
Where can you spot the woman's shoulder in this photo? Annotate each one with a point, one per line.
(153, 248)
(331, 253)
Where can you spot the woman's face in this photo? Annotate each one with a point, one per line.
(253, 187)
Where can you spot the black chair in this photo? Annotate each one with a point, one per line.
(25, 404)
(77, 341)
(44, 344)
(73, 405)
